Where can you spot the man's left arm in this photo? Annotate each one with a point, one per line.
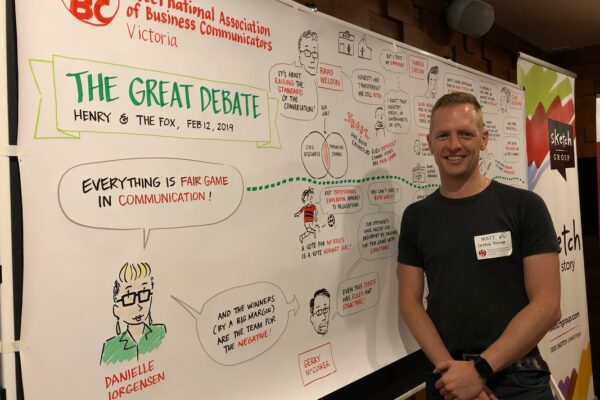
(526, 329)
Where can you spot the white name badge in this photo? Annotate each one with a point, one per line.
(493, 245)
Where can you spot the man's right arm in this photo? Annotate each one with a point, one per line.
(411, 283)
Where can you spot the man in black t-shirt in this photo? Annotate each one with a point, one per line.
(490, 255)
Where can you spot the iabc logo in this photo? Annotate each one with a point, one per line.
(93, 12)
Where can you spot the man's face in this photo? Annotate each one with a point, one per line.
(134, 301)
(309, 55)
(320, 315)
(455, 140)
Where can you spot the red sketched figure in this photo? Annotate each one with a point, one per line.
(310, 214)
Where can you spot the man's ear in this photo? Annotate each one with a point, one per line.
(115, 309)
(484, 139)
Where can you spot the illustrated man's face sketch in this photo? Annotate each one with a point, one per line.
(504, 99)
(133, 301)
(379, 114)
(319, 311)
(308, 48)
(432, 80)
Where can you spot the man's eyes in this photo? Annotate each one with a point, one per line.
(462, 134)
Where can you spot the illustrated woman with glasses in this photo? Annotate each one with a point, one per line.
(136, 334)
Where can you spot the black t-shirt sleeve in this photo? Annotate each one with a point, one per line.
(408, 251)
(538, 235)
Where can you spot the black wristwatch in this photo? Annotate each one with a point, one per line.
(483, 368)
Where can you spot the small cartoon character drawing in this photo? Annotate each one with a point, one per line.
(379, 124)
(310, 214)
(319, 311)
(132, 297)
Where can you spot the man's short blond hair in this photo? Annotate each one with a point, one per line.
(456, 98)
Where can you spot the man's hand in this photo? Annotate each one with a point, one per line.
(460, 381)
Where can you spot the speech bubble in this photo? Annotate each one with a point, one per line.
(491, 127)
(296, 89)
(397, 111)
(422, 110)
(488, 97)
(511, 126)
(384, 193)
(457, 83)
(394, 62)
(418, 67)
(368, 86)
(243, 322)
(421, 194)
(378, 235)
(341, 199)
(149, 193)
(512, 149)
(358, 294)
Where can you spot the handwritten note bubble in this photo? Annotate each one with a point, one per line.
(421, 194)
(422, 111)
(488, 97)
(511, 126)
(243, 322)
(491, 127)
(296, 89)
(358, 294)
(149, 193)
(330, 77)
(316, 364)
(341, 199)
(384, 193)
(512, 149)
(397, 111)
(368, 87)
(394, 62)
(457, 83)
(378, 235)
(418, 67)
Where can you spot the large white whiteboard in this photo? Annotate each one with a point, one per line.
(190, 138)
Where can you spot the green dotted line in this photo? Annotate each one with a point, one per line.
(338, 182)
(508, 179)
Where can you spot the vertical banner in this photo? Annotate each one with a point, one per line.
(552, 173)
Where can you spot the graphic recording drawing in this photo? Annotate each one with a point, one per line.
(308, 51)
(364, 51)
(379, 124)
(504, 99)
(309, 210)
(319, 311)
(346, 43)
(132, 296)
(432, 81)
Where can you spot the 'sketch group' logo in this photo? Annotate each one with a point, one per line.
(93, 12)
